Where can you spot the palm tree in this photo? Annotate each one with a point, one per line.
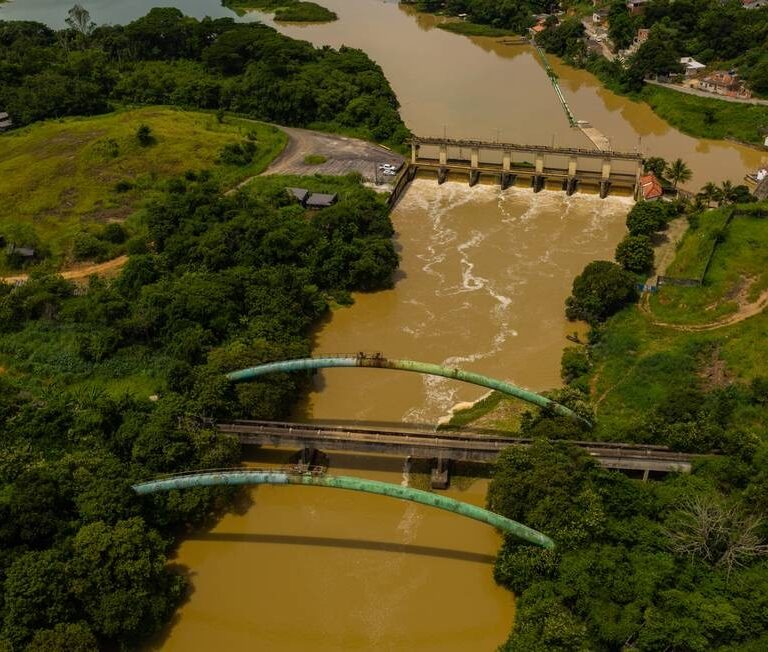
(678, 171)
(725, 193)
(709, 193)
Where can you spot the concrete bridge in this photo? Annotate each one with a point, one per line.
(442, 446)
(568, 168)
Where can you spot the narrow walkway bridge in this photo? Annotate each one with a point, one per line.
(316, 477)
(377, 361)
(442, 445)
(566, 167)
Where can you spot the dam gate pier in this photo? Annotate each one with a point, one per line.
(539, 166)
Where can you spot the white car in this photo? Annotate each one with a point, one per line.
(387, 167)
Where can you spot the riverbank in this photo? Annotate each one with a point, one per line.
(294, 11)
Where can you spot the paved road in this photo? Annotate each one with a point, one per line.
(343, 155)
(711, 96)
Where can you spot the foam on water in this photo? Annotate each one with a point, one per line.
(523, 217)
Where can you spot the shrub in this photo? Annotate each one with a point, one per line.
(123, 186)
(240, 154)
(114, 233)
(573, 364)
(602, 289)
(144, 135)
(646, 218)
(635, 254)
(314, 159)
(87, 246)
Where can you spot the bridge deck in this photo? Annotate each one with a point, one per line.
(456, 446)
(515, 147)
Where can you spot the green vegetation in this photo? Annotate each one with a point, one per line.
(314, 159)
(168, 58)
(511, 16)
(285, 10)
(474, 29)
(635, 254)
(69, 178)
(699, 243)
(98, 382)
(707, 118)
(230, 281)
(599, 291)
(736, 275)
(305, 12)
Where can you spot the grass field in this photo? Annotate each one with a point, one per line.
(697, 245)
(737, 274)
(60, 176)
(688, 113)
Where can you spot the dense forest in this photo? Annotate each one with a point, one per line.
(168, 58)
(102, 385)
(227, 282)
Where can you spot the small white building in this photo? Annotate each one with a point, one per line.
(691, 66)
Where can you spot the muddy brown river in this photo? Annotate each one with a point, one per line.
(482, 281)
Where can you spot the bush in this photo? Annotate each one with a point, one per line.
(646, 218)
(602, 289)
(573, 364)
(144, 135)
(123, 186)
(114, 233)
(240, 154)
(87, 246)
(635, 254)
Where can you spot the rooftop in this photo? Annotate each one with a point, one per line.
(651, 186)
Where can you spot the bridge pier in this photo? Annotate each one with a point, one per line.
(414, 152)
(442, 175)
(443, 156)
(605, 186)
(537, 182)
(507, 180)
(570, 185)
(439, 477)
(474, 177)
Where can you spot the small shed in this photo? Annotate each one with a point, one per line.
(300, 194)
(5, 121)
(321, 200)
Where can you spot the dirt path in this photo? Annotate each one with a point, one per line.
(745, 311)
(79, 273)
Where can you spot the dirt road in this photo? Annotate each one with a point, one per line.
(78, 273)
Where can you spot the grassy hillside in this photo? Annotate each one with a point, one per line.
(737, 273)
(62, 176)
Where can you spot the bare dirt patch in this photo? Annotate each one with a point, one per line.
(714, 372)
